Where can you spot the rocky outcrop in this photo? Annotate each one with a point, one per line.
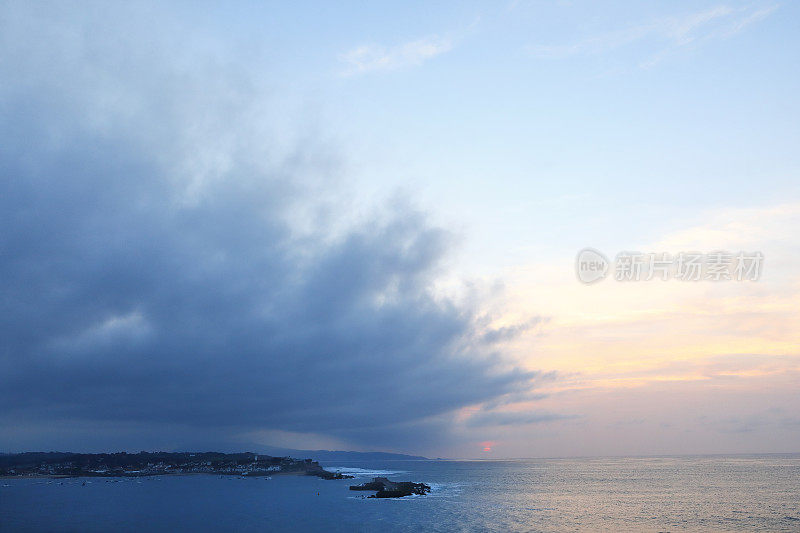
(392, 489)
(325, 474)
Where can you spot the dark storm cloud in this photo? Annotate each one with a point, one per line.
(134, 292)
(509, 418)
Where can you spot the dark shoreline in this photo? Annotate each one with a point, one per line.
(145, 464)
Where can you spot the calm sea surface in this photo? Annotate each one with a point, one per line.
(738, 493)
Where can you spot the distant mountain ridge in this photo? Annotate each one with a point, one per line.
(316, 455)
(338, 455)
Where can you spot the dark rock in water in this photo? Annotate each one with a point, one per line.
(312, 468)
(392, 489)
(374, 485)
(325, 474)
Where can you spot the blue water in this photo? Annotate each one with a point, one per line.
(738, 493)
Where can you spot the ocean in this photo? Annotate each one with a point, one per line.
(708, 493)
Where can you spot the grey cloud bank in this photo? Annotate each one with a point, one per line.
(154, 289)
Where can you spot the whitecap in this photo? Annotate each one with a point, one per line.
(363, 472)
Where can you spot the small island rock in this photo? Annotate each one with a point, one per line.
(392, 489)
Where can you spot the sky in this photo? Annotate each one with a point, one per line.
(355, 225)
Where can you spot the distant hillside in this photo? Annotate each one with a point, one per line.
(335, 455)
(145, 464)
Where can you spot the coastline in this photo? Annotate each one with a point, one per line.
(162, 474)
(55, 465)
